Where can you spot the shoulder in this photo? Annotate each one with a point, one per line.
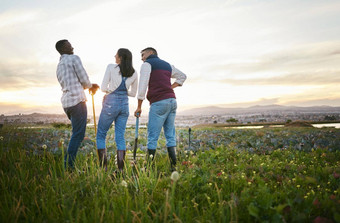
(113, 67)
(73, 57)
(146, 64)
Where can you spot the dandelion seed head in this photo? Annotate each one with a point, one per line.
(1, 138)
(44, 146)
(174, 176)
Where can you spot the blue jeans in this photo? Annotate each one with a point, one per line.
(162, 114)
(115, 109)
(78, 116)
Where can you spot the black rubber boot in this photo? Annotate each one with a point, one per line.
(172, 156)
(102, 154)
(121, 159)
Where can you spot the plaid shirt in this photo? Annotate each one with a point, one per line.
(73, 80)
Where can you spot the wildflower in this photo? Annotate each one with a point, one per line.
(210, 184)
(219, 174)
(62, 141)
(305, 197)
(174, 176)
(151, 156)
(298, 186)
(44, 146)
(185, 163)
(249, 183)
(316, 202)
(1, 138)
(123, 183)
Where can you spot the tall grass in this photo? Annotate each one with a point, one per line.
(219, 185)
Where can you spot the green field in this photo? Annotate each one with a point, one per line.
(227, 175)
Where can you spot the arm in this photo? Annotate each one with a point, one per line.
(179, 75)
(143, 85)
(81, 73)
(145, 71)
(134, 85)
(106, 80)
(138, 111)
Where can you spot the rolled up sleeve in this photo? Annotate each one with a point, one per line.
(178, 75)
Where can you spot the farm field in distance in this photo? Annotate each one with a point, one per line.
(226, 175)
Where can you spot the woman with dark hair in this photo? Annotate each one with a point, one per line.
(120, 81)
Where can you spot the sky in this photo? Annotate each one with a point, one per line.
(235, 53)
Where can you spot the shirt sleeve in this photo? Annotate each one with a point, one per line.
(106, 80)
(81, 73)
(179, 75)
(145, 72)
(134, 86)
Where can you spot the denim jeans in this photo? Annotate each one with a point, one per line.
(162, 114)
(78, 116)
(115, 109)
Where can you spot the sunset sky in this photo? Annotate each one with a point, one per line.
(235, 53)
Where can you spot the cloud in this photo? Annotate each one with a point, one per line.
(306, 57)
(294, 79)
(18, 75)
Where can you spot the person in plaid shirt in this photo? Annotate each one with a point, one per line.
(73, 80)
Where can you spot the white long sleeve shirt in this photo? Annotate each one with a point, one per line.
(113, 78)
(145, 72)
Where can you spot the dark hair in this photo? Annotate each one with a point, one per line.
(125, 65)
(151, 49)
(60, 45)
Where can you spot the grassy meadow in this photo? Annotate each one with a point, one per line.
(226, 175)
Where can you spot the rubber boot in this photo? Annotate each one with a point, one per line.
(102, 153)
(172, 156)
(121, 159)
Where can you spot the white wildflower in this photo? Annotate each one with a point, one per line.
(1, 138)
(174, 176)
(123, 183)
(44, 146)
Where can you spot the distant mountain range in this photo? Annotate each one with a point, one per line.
(219, 110)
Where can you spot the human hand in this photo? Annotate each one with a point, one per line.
(138, 112)
(93, 89)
